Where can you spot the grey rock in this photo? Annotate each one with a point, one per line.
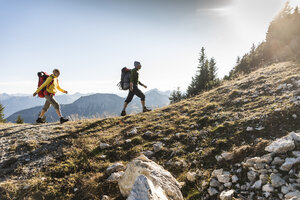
(115, 177)
(191, 176)
(264, 178)
(251, 175)
(133, 131)
(234, 179)
(276, 180)
(227, 195)
(148, 153)
(224, 178)
(228, 185)
(277, 161)
(148, 133)
(115, 168)
(288, 164)
(214, 183)
(295, 136)
(212, 191)
(281, 145)
(157, 146)
(295, 194)
(268, 188)
(104, 146)
(144, 189)
(153, 173)
(257, 184)
(217, 172)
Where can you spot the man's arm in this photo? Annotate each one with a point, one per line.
(142, 84)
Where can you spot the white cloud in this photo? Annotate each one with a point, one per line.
(222, 11)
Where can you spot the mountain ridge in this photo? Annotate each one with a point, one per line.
(95, 105)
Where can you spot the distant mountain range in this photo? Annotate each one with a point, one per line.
(15, 103)
(96, 105)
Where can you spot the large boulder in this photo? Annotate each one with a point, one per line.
(144, 189)
(163, 182)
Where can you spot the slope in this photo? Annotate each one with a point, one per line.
(66, 162)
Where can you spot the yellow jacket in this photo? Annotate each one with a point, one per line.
(50, 88)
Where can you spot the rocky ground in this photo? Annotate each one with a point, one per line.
(26, 149)
(221, 144)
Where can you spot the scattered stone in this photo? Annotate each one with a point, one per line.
(227, 195)
(249, 128)
(191, 176)
(251, 175)
(295, 194)
(214, 183)
(257, 184)
(217, 172)
(281, 145)
(276, 180)
(115, 177)
(133, 131)
(105, 197)
(295, 136)
(104, 146)
(228, 185)
(268, 188)
(212, 191)
(157, 146)
(296, 154)
(288, 164)
(227, 156)
(115, 168)
(128, 141)
(148, 153)
(224, 178)
(234, 179)
(277, 161)
(148, 133)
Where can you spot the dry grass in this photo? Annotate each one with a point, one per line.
(209, 124)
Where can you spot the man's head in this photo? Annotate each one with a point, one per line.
(56, 72)
(137, 65)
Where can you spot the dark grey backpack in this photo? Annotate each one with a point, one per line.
(125, 79)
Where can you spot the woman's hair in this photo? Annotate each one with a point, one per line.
(56, 70)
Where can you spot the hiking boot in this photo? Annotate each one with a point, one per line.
(63, 120)
(39, 121)
(145, 109)
(123, 113)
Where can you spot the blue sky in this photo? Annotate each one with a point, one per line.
(91, 40)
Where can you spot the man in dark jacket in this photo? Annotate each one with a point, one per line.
(134, 90)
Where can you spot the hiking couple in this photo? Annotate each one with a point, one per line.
(48, 86)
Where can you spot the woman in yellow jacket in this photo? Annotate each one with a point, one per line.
(52, 86)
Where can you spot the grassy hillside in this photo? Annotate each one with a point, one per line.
(65, 161)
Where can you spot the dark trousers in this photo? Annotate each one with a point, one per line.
(136, 91)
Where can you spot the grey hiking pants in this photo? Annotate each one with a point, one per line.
(50, 101)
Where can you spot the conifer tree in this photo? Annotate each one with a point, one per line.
(19, 120)
(2, 114)
(176, 96)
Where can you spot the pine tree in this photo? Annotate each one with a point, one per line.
(205, 78)
(20, 120)
(2, 120)
(176, 96)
